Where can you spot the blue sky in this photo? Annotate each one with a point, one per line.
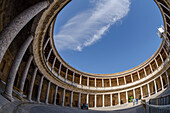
(107, 36)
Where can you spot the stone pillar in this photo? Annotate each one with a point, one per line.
(15, 26)
(87, 81)
(167, 77)
(95, 100)
(155, 86)
(79, 100)
(32, 84)
(46, 43)
(71, 100)
(119, 98)
(111, 100)
(49, 55)
(53, 64)
(161, 82)
(94, 82)
(125, 80)
(131, 77)
(87, 100)
(14, 68)
(117, 81)
(126, 97)
(39, 90)
(55, 95)
(156, 63)
(138, 75)
(134, 95)
(110, 82)
(103, 100)
(148, 90)
(59, 69)
(25, 73)
(141, 92)
(66, 74)
(165, 51)
(63, 97)
(161, 57)
(73, 78)
(145, 72)
(47, 94)
(151, 68)
(80, 79)
(102, 83)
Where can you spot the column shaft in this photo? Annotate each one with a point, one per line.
(117, 81)
(103, 100)
(71, 100)
(46, 43)
(126, 97)
(151, 68)
(66, 74)
(145, 72)
(148, 90)
(87, 81)
(161, 57)
(138, 75)
(14, 68)
(55, 95)
(47, 94)
(32, 84)
(167, 77)
(134, 95)
(40, 87)
(155, 86)
(79, 100)
(161, 82)
(110, 82)
(63, 97)
(125, 80)
(156, 63)
(25, 73)
(95, 100)
(111, 100)
(119, 98)
(87, 100)
(59, 69)
(94, 82)
(131, 77)
(80, 79)
(53, 64)
(73, 78)
(49, 55)
(141, 92)
(14, 27)
(102, 83)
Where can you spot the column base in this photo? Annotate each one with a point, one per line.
(8, 97)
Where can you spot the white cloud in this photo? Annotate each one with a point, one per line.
(87, 27)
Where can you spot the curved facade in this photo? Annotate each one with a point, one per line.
(30, 62)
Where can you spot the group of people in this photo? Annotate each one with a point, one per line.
(135, 100)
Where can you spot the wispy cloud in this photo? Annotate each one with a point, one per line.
(87, 27)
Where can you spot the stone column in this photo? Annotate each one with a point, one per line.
(14, 68)
(148, 90)
(15, 26)
(125, 80)
(25, 73)
(71, 100)
(167, 77)
(141, 92)
(94, 82)
(156, 63)
(80, 79)
(145, 72)
(87, 81)
(111, 100)
(119, 98)
(131, 77)
(49, 55)
(47, 94)
(134, 95)
(117, 81)
(59, 69)
(87, 100)
(138, 75)
(95, 100)
(55, 95)
(155, 86)
(161, 82)
(66, 74)
(39, 90)
(79, 100)
(165, 51)
(53, 64)
(46, 43)
(126, 97)
(102, 83)
(103, 100)
(32, 84)
(151, 68)
(161, 57)
(110, 82)
(73, 78)
(63, 97)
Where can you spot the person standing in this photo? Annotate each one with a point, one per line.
(136, 100)
(133, 101)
